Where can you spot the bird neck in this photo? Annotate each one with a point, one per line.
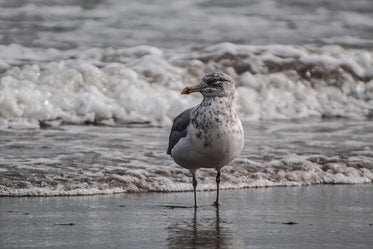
(225, 100)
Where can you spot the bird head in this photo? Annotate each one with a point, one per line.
(213, 85)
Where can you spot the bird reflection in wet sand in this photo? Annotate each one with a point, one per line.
(203, 232)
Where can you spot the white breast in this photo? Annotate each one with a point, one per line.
(214, 138)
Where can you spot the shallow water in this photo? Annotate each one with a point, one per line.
(300, 217)
(80, 160)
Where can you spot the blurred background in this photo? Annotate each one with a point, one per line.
(179, 24)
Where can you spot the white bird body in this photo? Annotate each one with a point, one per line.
(213, 141)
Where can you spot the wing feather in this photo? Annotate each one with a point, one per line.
(179, 129)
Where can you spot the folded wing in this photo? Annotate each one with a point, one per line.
(179, 129)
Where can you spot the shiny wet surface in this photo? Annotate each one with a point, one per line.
(327, 216)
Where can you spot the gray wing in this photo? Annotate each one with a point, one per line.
(179, 129)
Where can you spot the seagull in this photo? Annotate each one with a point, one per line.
(209, 135)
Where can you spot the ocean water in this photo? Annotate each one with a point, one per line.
(89, 89)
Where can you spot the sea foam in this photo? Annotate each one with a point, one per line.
(142, 84)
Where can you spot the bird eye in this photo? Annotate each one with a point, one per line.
(211, 82)
(217, 84)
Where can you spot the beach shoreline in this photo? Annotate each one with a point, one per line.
(321, 216)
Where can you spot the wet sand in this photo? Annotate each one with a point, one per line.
(325, 216)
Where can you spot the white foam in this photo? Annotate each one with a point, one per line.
(289, 171)
(273, 82)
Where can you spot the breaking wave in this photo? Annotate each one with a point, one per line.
(142, 84)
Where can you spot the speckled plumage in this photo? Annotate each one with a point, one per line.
(210, 135)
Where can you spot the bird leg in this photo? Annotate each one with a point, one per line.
(217, 203)
(194, 188)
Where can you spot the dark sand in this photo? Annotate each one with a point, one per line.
(327, 216)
